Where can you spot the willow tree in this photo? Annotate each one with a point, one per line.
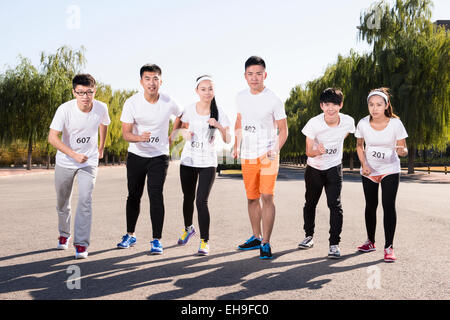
(412, 55)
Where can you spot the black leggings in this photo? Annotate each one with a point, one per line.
(316, 181)
(189, 177)
(389, 188)
(155, 169)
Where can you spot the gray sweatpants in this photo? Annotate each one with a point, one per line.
(64, 179)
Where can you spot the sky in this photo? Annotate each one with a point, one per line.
(187, 38)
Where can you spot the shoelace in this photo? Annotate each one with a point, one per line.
(62, 240)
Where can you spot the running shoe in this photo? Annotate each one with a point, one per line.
(127, 241)
(265, 251)
(203, 249)
(389, 255)
(63, 243)
(156, 247)
(307, 243)
(250, 244)
(187, 234)
(368, 246)
(334, 252)
(80, 252)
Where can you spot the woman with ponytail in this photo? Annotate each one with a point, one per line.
(200, 122)
(380, 140)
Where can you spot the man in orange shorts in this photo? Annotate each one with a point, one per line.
(260, 132)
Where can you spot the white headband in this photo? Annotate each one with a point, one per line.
(203, 79)
(378, 93)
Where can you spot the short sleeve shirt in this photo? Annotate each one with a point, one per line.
(79, 131)
(258, 114)
(380, 145)
(332, 139)
(153, 118)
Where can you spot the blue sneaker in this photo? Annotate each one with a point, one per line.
(250, 244)
(157, 247)
(127, 241)
(265, 252)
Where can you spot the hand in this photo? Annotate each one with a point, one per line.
(213, 123)
(187, 135)
(80, 158)
(271, 154)
(365, 170)
(100, 153)
(235, 153)
(145, 136)
(401, 151)
(321, 149)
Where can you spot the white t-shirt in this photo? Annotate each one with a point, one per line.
(200, 151)
(380, 145)
(150, 117)
(332, 139)
(258, 114)
(79, 131)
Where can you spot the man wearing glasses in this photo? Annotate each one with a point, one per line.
(80, 121)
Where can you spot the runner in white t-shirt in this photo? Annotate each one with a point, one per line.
(260, 116)
(200, 122)
(145, 125)
(325, 135)
(80, 121)
(380, 140)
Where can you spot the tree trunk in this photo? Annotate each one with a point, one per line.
(30, 151)
(351, 161)
(411, 157)
(425, 155)
(106, 158)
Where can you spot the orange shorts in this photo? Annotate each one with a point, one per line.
(259, 176)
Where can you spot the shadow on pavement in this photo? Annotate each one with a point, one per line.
(48, 279)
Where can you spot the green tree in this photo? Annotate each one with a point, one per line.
(412, 55)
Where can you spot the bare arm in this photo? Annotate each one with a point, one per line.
(401, 148)
(127, 133)
(310, 152)
(176, 126)
(55, 140)
(238, 136)
(362, 156)
(283, 134)
(103, 129)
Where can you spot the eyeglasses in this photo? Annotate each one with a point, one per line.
(85, 93)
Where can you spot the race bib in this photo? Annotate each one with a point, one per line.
(331, 150)
(250, 129)
(155, 139)
(379, 155)
(80, 143)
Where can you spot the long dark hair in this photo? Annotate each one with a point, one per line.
(214, 111)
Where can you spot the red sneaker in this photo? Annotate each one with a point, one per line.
(63, 243)
(368, 246)
(80, 252)
(389, 255)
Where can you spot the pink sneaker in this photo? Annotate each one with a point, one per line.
(389, 255)
(368, 246)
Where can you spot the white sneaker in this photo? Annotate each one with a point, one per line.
(307, 243)
(63, 243)
(80, 252)
(334, 252)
